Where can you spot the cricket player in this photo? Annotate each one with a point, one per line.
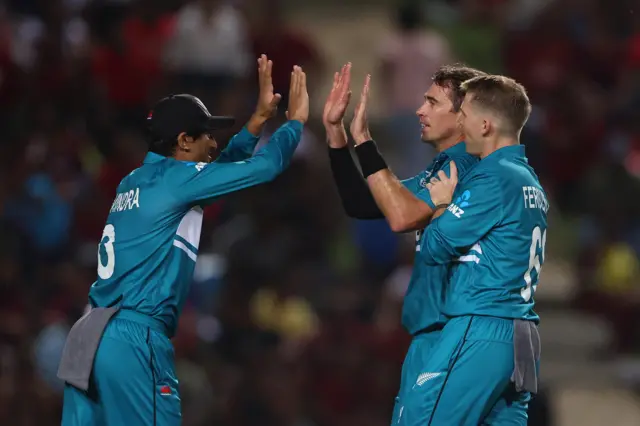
(505, 405)
(495, 228)
(408, 205)
(118, 361)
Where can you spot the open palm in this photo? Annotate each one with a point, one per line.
(336, 105)
(267, 100)
(359, 124)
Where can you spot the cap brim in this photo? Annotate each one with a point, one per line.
(217, 122)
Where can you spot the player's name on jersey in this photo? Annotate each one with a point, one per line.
(534, 198)
(126, 200)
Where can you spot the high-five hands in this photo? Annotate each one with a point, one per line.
(267, 100)
(335, 109)
(298, 96)
(359, 124)
(267, 105)
(336, 105)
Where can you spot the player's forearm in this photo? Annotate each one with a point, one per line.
(403, 210)
(282, 144)
(242, 145)
(336, 136)
(356, 198)
(219, 179)
(436, 249)
(256, 124)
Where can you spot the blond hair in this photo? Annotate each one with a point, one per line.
(503, 96)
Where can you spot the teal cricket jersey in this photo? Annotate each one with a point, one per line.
(424, 297)
(149, 247)
(495, 231)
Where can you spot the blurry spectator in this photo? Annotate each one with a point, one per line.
(542, 64)
(279, 308)
(210, 52)
(286, 47)
(378, 246)
(615, 294)
(126, 64)
(397, 283)
(629, 89)
(10, 74)
(48, 351)
(55, 25)
(409, 57)
(619, 272)
(41, 211)
(125, 152)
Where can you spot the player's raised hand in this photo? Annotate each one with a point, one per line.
(359, 124)
(267, 100)
(336, 105)
(298, 96)
(441, 188)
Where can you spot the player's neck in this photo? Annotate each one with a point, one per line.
(183, 156)
(499, 142)
(444, 145)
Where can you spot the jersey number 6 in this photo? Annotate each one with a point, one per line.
(108, 238)
(538, 242)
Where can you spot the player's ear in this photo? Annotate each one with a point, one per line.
(486, 127)
(184, 141)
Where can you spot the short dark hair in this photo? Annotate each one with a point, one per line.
(451, 77)
(166, 148)
(502, 95)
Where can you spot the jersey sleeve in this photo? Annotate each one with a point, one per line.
(203, 182)
(240, 147)
(476, 209)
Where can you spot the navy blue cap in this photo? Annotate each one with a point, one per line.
(183, 113)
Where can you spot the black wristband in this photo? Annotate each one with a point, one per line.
(339, 153)
(371, 160)
(356, 198)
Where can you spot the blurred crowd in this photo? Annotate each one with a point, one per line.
(293, 317)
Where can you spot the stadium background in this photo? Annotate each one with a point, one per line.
(293, 319)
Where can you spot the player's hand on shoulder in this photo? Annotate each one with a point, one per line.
(298, 96)
(441, 188)
(336, 105)
(267, 99)
(359, 124)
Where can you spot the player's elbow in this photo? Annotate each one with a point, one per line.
(269, 170)
(408, 221)
(428, 257)
(431, 261)
(401, 225)
(434, 250)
